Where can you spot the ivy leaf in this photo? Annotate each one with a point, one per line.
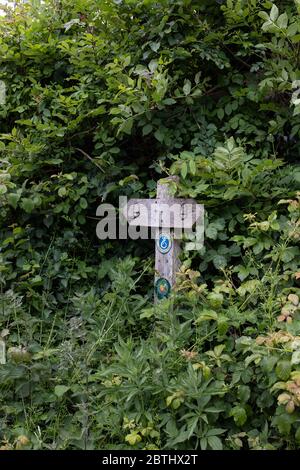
(83, 203)
(284, 423)
(147, 129)
(211, 232)
(133, 438)
(268, 363)
(159, 134)
(220, 113)
(219, 261)
(282, 21)
(27, 204)
(187, 87)
(62, 191)
(3, 189)
(244, 393)
(289, 254)
(126, 126)
(147, 313)
(154, 46)
(239, 415)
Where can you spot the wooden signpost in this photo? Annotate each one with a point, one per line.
(165, 215)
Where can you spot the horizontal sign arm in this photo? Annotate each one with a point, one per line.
(169, 213)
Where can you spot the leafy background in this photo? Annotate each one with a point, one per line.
(103, 98)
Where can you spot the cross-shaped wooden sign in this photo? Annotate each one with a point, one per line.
(168, 216)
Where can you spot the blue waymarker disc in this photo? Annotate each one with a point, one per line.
(164, 243)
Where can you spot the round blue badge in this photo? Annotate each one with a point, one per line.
(164, 243)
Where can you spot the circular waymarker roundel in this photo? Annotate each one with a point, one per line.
(162, 288)
(164, 243)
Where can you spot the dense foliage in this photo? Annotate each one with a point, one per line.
(103, 98)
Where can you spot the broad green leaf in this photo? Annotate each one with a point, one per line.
(244, 393)
(274, 12)
(155, 46)
(159, 134)
(239, 415)
(192, 165)
(69, 24)
(220, 113)
(264, 15)
(215, 443)
(147, 129)
(197, 77)
(243, 272)
(187, 87)
(3, 189)
(292, 29)
(297, 435)
(126, 126)
(153, 64)
(169, 101)
(203, 443)
(284, 423)
(83, 203)
(182, 436)
(215, 431)
(60, 390)
(207, 315)
(133, 438)
(295, 358)
(62, 191)
(219, 261)
(184, 170)
(147, 313)
(283, 369)
(211, 232)
(27, 204)
(282, 21)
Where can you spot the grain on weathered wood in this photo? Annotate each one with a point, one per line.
(167, 216)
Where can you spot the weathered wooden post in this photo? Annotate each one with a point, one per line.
(167, 216)
(167, 248)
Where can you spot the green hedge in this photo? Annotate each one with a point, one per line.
(103, 98)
